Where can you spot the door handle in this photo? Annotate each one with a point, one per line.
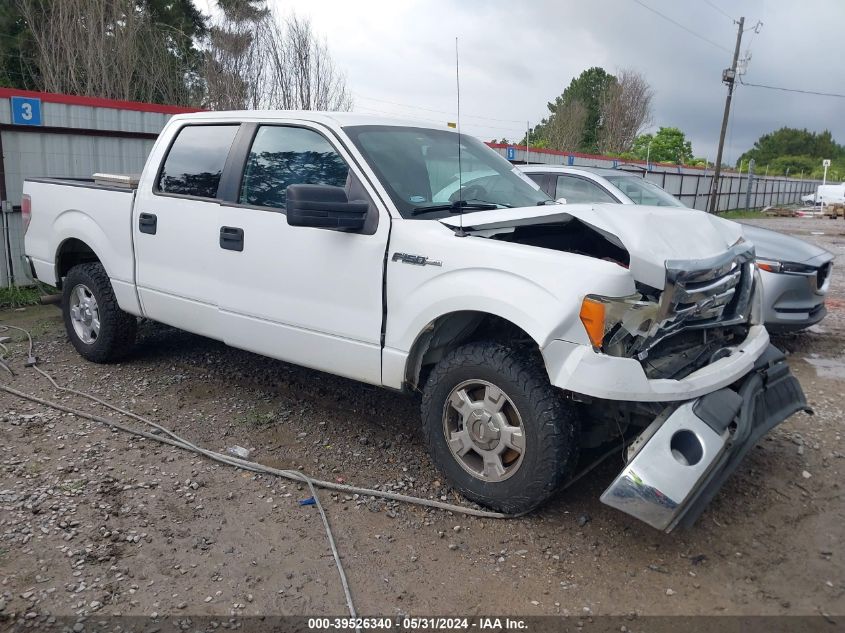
(147, 223)
(232, 238)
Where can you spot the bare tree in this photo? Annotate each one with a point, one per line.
(303, 74)
(626, 110)
(254, 61)
(236, 57)
(566, 126)
(104, 48)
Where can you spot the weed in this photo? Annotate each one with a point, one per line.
(17, 297)
(256, 419)
(72, 486)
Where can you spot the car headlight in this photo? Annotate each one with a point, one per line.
(776, 266)
(608, 320)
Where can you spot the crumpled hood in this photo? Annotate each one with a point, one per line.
(651, 235)
(784, 248)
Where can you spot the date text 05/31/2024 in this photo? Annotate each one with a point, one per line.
(417, 623)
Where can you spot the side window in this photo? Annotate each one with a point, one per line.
(195, 161)
(576, 190)
(282, 156)
(540, 179)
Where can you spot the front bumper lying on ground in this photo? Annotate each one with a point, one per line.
(685, 456)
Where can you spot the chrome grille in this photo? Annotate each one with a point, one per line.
(702, 294)
(708, 293)
(707, 300)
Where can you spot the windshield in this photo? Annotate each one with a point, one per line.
(419, 168)
(641, 191)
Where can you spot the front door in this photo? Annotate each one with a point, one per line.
(175, 231)
(305, 295)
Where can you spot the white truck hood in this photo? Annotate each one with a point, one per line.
(651, 235)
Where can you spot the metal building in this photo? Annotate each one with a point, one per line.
(44, 134)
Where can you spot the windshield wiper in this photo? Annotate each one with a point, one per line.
(459, 206)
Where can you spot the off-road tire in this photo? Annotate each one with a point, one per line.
(551, 425)
(117, 328)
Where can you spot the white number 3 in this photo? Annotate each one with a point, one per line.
(26, 111)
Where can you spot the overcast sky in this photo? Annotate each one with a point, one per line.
(516, 55)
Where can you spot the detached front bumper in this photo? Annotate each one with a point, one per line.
(681, 461)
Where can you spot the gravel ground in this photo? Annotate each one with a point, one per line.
(94, 521)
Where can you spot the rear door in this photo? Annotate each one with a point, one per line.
(176, 230)
(306, 295)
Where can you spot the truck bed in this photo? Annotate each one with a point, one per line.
(97, 214)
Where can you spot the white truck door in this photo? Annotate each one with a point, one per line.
(175, 229)
(306, 295)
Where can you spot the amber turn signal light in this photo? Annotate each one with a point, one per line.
(592, 316)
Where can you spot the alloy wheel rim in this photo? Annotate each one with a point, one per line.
(84, 314)
(484, 430)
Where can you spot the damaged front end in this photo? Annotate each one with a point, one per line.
(678, 463)
(710, 296)
(685, 360)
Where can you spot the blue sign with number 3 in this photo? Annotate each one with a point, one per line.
(26, 111)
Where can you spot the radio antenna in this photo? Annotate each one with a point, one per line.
(460, 232)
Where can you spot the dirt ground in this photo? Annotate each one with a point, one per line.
(94, 521)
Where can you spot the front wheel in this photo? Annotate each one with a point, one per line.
(99, 330)
(497, 429)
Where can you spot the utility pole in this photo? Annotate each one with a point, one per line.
(729, 78)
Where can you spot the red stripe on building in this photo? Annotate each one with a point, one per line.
(96, 102)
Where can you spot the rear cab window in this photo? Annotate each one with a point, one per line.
(195, 161)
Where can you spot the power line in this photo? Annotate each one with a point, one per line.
(806, 92)
(681, 26)
(720, 10)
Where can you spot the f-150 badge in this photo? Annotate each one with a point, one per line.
(416, 260)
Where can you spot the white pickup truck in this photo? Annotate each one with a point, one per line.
(410, 257)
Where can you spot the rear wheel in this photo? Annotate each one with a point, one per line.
(496, 428)
(97, 327)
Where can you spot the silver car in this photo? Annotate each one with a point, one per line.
(795, 273)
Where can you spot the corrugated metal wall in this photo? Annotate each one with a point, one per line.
(109, 139)
(31, 153)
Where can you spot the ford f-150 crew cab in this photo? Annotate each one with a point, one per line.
(534, 331)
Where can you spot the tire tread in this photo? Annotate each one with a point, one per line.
(558, 424)
(118, 329)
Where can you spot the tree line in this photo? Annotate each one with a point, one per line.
(601, 113)
(792, 151)
(167, 51)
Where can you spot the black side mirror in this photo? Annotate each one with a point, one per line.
(324, 207)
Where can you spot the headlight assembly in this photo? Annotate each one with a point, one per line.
(609, 320)
(776, 266)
